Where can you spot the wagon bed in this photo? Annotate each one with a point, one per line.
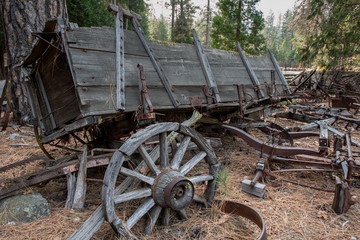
(78, 79)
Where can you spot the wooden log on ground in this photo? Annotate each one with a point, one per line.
(71, 185)
(80, 191)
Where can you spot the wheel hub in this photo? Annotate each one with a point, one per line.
(172, 189)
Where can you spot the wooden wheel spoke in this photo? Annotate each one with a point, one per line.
(199, 199)
(183, 214)
(153, 217)
(164, 154)
(198, 179)
(175, 163)
(192, 162)
(165, 218)
(141, 211)
(148, 160)
(136, 194)
(131, 173)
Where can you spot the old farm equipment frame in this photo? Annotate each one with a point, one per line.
(109, 82)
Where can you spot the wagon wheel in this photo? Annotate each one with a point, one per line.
(72, 142)
(169, 184)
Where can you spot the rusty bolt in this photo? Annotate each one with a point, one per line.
(85, 89)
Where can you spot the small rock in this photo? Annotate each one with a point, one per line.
(76, 220)
(23, 208)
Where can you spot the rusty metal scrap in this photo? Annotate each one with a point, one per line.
(267, 148)
(245, 211)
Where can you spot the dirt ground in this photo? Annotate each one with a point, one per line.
(290, 211)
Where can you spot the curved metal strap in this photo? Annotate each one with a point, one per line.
(246, 212)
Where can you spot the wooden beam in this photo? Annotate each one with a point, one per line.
(250, 71)
(80, 191)
(279, 72)
(113, 9)
(154, 61)
(209, 76)
(119, 60)
(46, 100)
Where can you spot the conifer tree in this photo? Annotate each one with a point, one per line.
(238, 21)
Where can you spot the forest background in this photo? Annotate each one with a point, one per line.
(313, 34)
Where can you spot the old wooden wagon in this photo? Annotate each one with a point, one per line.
(110, 82)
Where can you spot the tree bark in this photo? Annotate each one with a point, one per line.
(173, 5)
(20, 19)
(207, 25)
(239, 18)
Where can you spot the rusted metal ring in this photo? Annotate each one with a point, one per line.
(246, 212)
(156, 181)
(179, 193)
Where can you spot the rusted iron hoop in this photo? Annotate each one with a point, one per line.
(246, 212)
(43, 149)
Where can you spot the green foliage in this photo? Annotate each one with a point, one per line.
(222, 182)
(89, 13)
(280, 39)
(141, 8)
(201, 24)
(160, 30)
(238, 21)
(333, 42)
(183, 24)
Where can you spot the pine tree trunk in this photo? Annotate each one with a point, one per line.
(208, 24)
(172, 18)
(239, 20)
(21, 18)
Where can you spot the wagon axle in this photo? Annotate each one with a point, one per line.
(173, 190)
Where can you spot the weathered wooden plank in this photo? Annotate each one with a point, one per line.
(136, 139)
(164, 154)
(102, 73)
(103, 39)
(199, 179)
(279, 72)
(58, 84)
(84, 122)
(136, 194)
(140, 212)
(209, 76)
(156, 63)
(153, 217)
(113, 9)
(71, 186)
(192, 162)
(149, 161)
(80, 192)
(176, 161)
(119, 63)
(165, 218)
(250, 71)
(45, 99)
(130, 173)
